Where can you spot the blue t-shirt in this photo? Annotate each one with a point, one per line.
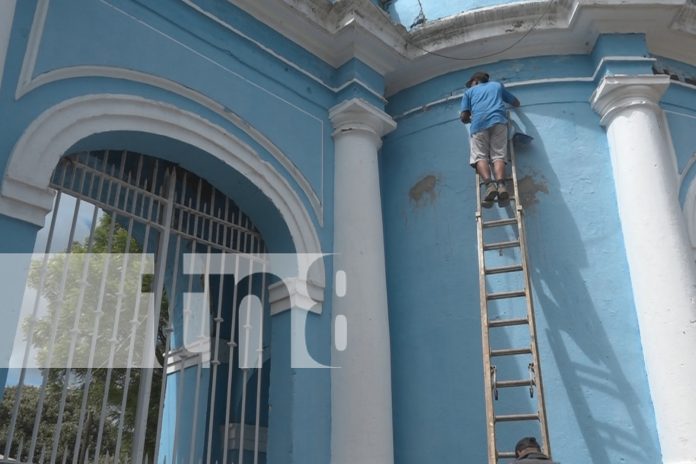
(486, 102)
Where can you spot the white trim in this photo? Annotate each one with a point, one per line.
(197, 97)
(281, 58)
(335, 32)
(297, 293)
(621, 59)
(32, 51)
(690, 204)
(616, 93)
(37, 152)
(7, 10)
(342, 30)
(359, 29)
(27, 82)
(357, 114)
(530, 82)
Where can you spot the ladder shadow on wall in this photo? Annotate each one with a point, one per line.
(588, 367)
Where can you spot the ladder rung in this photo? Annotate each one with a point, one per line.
(507, 322)
(513, 383)
(500, 222)
(503, 295)
(506, 455)
(504, 269)
(507, 179)
(511, 352)
(516, 417)
(501, 245)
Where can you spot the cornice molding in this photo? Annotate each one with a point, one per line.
(358, 28)
(617, 93)
(25, 193)
(335, 32)
(296, 293)
(356, 114)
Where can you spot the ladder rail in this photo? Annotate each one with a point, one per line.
(487, 368)
(490, 384)
(519, 213)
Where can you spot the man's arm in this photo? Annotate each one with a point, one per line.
(510, 98)
(465, 109)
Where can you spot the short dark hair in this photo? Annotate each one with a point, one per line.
(526, 442)
(479, 76)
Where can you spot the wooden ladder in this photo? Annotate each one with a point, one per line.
(509, 221)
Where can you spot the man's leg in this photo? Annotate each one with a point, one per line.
(499, 157)
(490, 189)
(480, 143)
(499, 170)
(484, 170)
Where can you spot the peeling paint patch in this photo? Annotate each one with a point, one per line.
(423, 191)
(529, 186)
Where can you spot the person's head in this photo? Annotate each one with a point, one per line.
(525, 446)
(478, 77)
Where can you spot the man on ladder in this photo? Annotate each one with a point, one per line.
(483, 105)
(528, 451)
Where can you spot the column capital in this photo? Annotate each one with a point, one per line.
(357, 114)
(617, 93)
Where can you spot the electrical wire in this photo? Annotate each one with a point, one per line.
(524, 36)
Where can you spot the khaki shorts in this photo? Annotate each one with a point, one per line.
(489, 144)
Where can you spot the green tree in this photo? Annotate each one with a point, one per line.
(93, 307)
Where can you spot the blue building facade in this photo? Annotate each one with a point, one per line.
(333, 128)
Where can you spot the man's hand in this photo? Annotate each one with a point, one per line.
(516, 103)
(465, 117)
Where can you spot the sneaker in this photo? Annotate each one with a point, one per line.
(490, 192)
(503, 194)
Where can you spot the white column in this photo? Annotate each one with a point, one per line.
(361, 408)
(662, 271)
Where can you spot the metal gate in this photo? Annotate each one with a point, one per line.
(200, 404)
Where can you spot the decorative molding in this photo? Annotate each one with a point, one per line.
(685, 19)
(335, 32)
(7, 9)
(33, 44)
(360, 29)
(530, 82)
(197, 97)
(198, 352)
(280, 57)
(24, 201)
(296, 293)
(473, 37)
(357, 114)
(31, 163)
(28, 82)
(689, 207)
(616, 93)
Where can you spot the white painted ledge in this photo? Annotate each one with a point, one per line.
(357, 114)
(617, 93)
(296, 293)
(358, 28)
(25, 192)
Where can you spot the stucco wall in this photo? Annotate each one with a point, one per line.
(597, 395)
